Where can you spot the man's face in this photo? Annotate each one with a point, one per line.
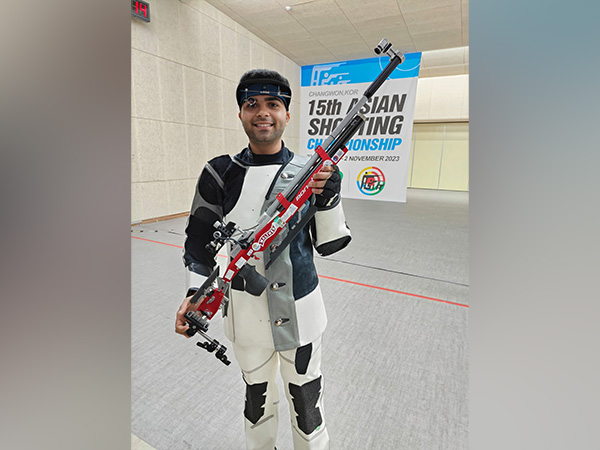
(264, 119)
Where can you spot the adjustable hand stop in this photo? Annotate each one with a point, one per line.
(213, 345)
(199, 324)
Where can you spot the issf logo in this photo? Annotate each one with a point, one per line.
(370, 181)
(325, 74)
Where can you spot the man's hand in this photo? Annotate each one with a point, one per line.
(330, 189)
(180, 324)
(319, 179)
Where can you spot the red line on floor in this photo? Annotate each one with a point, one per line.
(164, 243)
(396, 292)
(156, 242)
(339, 279)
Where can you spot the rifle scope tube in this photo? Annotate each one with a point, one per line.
(394, 62)
(357, 121)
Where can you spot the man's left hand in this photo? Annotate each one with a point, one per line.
(319, 179)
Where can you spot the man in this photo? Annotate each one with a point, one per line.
(283, 326)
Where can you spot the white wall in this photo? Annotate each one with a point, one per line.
(442, 99)
(185, 65)
(439, 156)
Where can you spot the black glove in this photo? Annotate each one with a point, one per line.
(331, 191)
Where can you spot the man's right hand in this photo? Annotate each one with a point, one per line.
(181, 325)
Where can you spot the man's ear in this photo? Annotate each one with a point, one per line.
(287, 117)
(240, 115)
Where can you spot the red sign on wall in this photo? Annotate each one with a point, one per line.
(140, 10)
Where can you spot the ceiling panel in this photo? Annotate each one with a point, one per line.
(434, 20)
(350, 51)
(243, 7)
(317, 31)
(369, 10)
(408, 6)
(319, 14)
(395, 21)
(282, 29)
(337, 35)
(438, 40)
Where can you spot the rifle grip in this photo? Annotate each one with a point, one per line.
(255, 283)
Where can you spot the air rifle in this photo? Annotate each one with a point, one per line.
(248, 244)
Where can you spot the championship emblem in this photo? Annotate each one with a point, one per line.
(370, 181)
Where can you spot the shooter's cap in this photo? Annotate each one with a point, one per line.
(264, 82)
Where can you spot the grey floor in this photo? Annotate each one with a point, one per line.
(395, 350)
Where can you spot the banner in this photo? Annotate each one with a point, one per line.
(377, 162)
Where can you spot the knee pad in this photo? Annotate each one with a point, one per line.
(256, 396)
(305, 400)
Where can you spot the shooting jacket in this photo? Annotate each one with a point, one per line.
(290, 312)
